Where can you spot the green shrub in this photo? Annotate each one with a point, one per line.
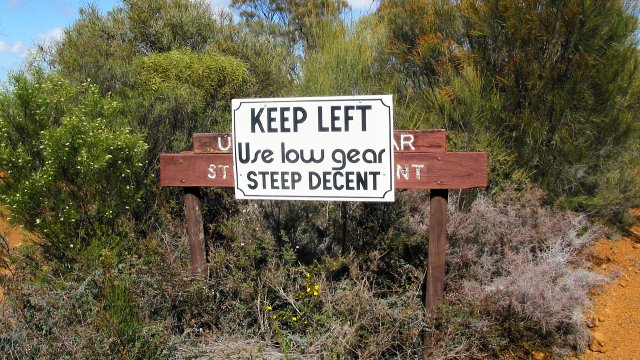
(73, 167)
(87, 314)
(181, 92)
(267, 57)
(101, 47)
(206, 76)
(616, 188)
(548, 88)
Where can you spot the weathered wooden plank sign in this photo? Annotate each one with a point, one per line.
(403, 140)
(447, 170)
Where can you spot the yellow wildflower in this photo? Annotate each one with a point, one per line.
(293, 318)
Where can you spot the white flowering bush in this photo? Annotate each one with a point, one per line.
(72, 168)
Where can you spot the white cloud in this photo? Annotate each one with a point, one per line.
(16, 48)
(363, 4)
(51, 37)
(218, 5)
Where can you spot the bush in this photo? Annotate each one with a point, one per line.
(87, 314)
(516, 276)
(101, 47)
(617, 187)
(73, 168)
(516, 282)
(548, 88)
(516, 279)
(181, 92)
(206, 75)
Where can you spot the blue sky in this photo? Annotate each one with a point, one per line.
(25, 23)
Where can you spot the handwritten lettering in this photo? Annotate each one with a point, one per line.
(403, 171)
(213, 171)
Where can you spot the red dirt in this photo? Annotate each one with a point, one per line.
(615, 318)
(15, 235)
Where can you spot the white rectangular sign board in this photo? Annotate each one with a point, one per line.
(320, 148)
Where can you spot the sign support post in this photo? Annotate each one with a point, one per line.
(437, 248)
(436, 259)
(195, 230)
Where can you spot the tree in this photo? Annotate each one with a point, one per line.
(118, 51)
(346, 60)
(561, 78)
(294, 20)
(184, 92)
(101, 48)
(568, 74)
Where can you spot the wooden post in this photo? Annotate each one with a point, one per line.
(434, 281)
(437, 248)
(195, 230)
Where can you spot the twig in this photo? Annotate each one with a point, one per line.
(4, 253)
(284, 295)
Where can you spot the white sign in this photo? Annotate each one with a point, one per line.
(322, 148)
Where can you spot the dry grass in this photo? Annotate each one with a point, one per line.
(515, 281)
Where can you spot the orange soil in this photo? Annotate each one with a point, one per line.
(615, 318)
(14, 234)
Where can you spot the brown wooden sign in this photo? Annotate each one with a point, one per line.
(403, 140)
(446, 170)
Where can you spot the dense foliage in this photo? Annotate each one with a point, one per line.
(548, 88)
(73, 167)
(555, 82)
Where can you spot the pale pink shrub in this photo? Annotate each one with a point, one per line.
(516, 259)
